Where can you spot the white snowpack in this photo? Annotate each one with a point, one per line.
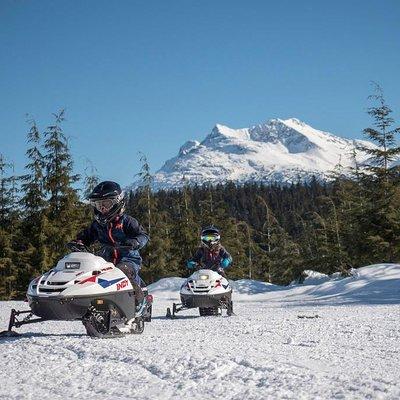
(339, 339)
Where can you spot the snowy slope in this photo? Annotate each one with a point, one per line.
(276, 151)
(333, 340)
(374, 284)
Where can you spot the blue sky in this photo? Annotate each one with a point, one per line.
(149, 75)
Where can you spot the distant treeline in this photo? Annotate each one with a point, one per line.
(273, 232)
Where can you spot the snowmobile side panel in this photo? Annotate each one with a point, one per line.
(71, 308)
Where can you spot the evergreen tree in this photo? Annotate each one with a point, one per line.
(185, 231)
(91, 179)
(64, 211)
(7, 193)
(8, 271)
(243, 256)
(156, 255)
(9, 225)
(384, 136)
(381, 219)
(207, 206)
(146, 198)
(336, 257)
(32, 240)
(280, 256)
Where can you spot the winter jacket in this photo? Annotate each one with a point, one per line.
(211, 259)
(124, 230)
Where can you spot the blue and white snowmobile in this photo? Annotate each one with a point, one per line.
(85, 287)
(207, 290)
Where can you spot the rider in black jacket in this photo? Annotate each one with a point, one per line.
(121, 234)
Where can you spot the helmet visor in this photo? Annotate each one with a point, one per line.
(104, 205)
(210, 238)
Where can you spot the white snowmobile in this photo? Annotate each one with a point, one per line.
(85, 287)
(206, 290)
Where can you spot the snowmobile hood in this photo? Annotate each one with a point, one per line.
(81, 262)
(205, 281)
(80, 274)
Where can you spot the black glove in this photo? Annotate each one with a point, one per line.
(77, 246)
(221, 271)
(132, 244)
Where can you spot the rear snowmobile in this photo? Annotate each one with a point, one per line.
(206, 290)
(85, 287)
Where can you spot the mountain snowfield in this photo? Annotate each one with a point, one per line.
(282, 151)
(328, 338)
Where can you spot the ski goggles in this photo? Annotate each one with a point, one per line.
(104, 204)
(210, 238)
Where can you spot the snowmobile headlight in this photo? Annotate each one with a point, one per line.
(203, 277)
(33, 284)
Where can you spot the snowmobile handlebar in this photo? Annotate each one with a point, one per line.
(215, 267)
(75, 246)
(200, 265)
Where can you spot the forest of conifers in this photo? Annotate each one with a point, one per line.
(273, 232)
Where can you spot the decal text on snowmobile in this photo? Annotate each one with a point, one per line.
(122, 284)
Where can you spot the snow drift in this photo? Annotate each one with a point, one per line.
(373, 284)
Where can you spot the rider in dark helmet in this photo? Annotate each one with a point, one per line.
(211, 254)
(107, 200)
(121, 234)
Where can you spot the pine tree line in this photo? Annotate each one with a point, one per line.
(273, 232)
(39, 211)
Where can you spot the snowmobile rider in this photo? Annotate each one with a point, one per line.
(121, 234)
(211, 254)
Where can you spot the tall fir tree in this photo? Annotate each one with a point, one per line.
(146, 197)
(32, 240)
(156, 255)
(279, 256)
(381, 219)
(242, 249)
(91, 178)
(9, 228)
(64, 212)
(185, 231)
(382, 133)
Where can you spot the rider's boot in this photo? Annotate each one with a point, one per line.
(130, 271)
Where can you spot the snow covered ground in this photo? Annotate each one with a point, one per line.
(322, 340)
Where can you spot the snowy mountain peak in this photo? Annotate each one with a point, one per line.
(294, 121)
(222, 131)
(188, 147)
(284, 132)
(280, 151)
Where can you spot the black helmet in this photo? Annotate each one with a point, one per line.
(107, 200)
(210, 237)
